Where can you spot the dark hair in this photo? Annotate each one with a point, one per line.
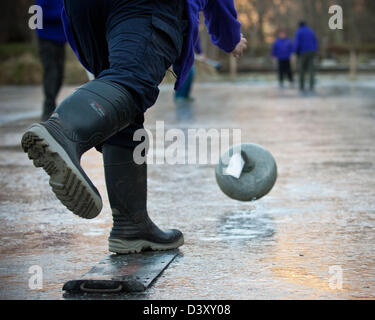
(302, 23)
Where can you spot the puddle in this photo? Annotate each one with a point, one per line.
(243, 226)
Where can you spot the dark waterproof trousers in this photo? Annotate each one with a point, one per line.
(132, 43)
(285, 69)
(306, 65)
(52, 56)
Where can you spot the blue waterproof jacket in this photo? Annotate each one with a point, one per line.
(282, 49)
(52, 23)
(223, 27)
(305, 41)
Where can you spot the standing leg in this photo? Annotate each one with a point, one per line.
(53, 58)
(185, 91)
(281, 73)
(289, 71)
(302, 70)
(133, 230)
(311, 68)
(190, 82)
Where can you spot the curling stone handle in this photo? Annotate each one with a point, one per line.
(248, 165)
(92, 290)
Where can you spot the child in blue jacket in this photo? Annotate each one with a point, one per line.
(51, 40)
(128, 46)
(282, 50)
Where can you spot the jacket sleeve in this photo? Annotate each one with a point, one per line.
(274, 49)
(297, 48)
(223, 26)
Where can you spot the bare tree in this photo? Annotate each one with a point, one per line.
(14, 20)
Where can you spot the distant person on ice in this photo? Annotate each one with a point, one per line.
(51, 40)
(128, 46)
(184, 93)
(282, 50)
(306, 46)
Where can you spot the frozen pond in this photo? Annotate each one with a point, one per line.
(316, 227)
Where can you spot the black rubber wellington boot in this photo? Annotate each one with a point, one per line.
(88, 117)
(133, 231)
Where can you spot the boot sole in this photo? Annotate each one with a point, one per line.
(120, 246)
(68, 184)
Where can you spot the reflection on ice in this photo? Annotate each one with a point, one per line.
(243, 226)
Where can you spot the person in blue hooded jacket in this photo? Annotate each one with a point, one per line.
(282, 50)
(51, 40)
(128, 46)
(306, 46)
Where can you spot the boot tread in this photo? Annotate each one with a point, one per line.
(66, 185)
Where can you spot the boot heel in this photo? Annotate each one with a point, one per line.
(68, 184)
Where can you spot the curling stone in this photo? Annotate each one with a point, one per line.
(246, 172)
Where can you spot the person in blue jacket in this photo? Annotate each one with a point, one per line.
(306, 46)
(128, 46)
(51, 40)
(282, 50)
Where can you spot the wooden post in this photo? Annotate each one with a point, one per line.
(353, 64)
(233, 67)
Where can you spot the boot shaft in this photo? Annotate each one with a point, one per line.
(92, 114)
(126, 184)
(127, 191)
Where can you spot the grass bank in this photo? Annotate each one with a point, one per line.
(20, 65)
